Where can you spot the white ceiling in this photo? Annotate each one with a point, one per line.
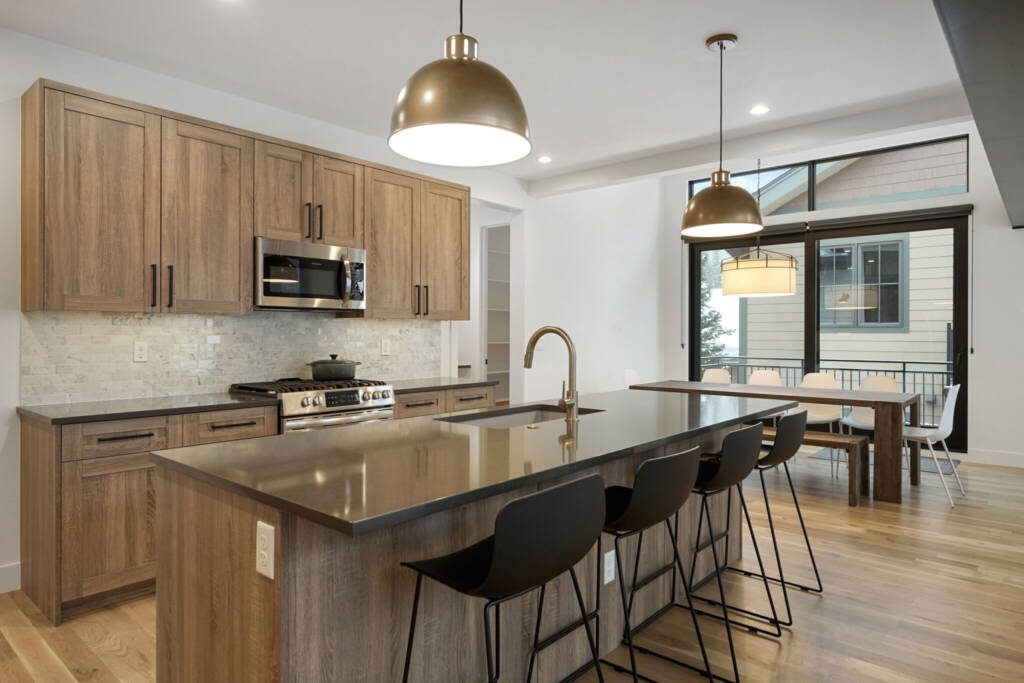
(601, 80)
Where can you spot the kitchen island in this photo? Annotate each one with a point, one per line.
(348, 505)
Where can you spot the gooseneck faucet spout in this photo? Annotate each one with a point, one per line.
(570, 399)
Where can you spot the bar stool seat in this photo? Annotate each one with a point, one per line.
(536, 539)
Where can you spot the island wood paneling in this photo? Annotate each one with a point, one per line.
(340, 604)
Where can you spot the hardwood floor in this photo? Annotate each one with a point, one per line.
(914, 592)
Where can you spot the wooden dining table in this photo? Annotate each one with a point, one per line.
(889, 410)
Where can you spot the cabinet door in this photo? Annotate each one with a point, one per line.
(444, 252)
(392, 228)
(102, 205)
(207, 219)
(338, 194)
(107, 524)
(284, 192)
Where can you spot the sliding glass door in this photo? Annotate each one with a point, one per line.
(871, 300)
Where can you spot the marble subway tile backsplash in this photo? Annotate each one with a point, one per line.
(68, 357)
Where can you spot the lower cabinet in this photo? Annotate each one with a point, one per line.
(88, 518)
(420, 403)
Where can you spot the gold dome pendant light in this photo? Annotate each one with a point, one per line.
(759, 272)
(721, 209)
(459, 111)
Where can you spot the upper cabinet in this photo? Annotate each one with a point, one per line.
(101, 182)
(308, 197)
(130, 208)
(417, 237)
(207, 219)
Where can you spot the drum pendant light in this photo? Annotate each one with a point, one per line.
(459, 111)
(759, 272)
(721, 209)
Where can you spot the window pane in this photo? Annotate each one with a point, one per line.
(889, 304)
(869, 263)
(890, 262)
(927, 170)
(783, 190)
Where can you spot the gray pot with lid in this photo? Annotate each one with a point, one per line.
(333, 369)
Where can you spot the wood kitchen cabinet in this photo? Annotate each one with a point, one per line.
(420, 403)
(417, 236)
(303, 196)
(207, 219)
(100, 166)
(88, 499)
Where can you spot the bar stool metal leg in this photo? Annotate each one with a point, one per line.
(536, 633)
(412, 627)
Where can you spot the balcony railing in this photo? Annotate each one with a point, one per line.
(927, 378)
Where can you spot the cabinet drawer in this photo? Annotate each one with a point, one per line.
(120, 437)
(419, 403)
(229, 425)
(470, 397)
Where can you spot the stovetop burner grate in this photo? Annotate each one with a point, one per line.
(292, 384)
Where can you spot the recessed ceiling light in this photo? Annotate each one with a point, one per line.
(544, 159)
(759, 109)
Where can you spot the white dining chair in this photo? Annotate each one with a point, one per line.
(765, 378)
(862, 417)
(933, 435)
(822, 413)
(716, 376)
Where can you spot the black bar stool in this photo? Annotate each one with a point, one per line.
(721, 473)
(788, 438)
(536, 539)
(660, 488)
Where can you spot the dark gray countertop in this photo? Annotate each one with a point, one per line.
(97, 411)
(408, 386)
(365, 477)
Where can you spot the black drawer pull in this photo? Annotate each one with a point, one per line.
(473, 398)
(170, 286)
(153, 285)
(124, 437)
(309, 220)
(229, 425)
(420, 404)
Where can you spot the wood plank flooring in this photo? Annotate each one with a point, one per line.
(914, 592)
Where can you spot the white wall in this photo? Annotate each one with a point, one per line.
(24, 59)
(593, 266)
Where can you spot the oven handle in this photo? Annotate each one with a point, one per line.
(293, 424)
(346, 293)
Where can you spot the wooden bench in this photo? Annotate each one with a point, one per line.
(856, 447)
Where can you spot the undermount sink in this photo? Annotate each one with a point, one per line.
(520, 416)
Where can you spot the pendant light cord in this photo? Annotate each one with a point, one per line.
(721, 98)
(460, 16)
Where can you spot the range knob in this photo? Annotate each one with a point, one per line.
(366, 395)
(318, 401)
(305, 401)
(376, 394)
(385, 394)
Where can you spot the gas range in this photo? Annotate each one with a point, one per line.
(312, 404)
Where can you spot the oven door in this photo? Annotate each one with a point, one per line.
(305, 275)
(310, 422)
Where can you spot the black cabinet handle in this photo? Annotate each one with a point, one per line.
(417, 311)
(473, 398)
(153, 285)
(320, 210)
(426, 300)
(214, 426)
(125, 437)
(309, 219)
(420, 404)
(170, 286)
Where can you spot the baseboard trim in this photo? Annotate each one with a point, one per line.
(10, 577)
(992, 457)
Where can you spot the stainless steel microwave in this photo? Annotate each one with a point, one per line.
(297, 275)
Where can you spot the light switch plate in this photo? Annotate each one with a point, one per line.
(140, 352)
(265, 549)
(385, 346)
(609, 566)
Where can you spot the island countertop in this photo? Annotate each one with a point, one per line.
(373, 476)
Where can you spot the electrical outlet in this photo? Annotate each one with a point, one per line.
(265, 549)
(140, 352)
(385, 346)
(609, 566)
